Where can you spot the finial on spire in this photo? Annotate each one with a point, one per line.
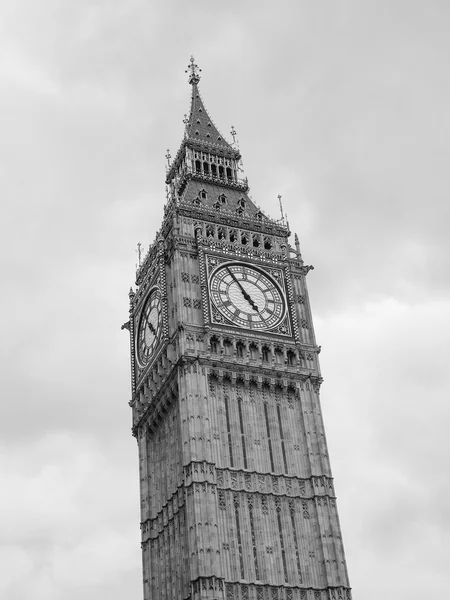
(193, 71)
(281, 207)
(233, 133)
(168, 156)
(297, 247)
(139, 252)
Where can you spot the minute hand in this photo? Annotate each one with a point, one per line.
(244, 293)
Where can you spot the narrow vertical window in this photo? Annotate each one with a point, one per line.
(238, 532)
(283, 551)
(266, 414)
(230, 443)
(283, 450)
(294, 533)
(252, 531)
(241, 423)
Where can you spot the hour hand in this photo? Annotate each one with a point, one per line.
(249, 300)
(152, 329)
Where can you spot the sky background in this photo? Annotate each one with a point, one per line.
(340, 106)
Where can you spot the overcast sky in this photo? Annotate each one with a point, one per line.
(340, 106)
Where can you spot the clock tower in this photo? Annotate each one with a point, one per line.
(236, 492)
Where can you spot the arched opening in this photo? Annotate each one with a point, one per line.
(203, 194)
(233, 235)
(267, 243)
(214, 170)
(198, 167)
(214, 345)
(221, 172)
(227, 347)
(253, 350)
(206, 168)
(228, 173)
(240, 347)
(210, 231)
(222, 233)
(291, 358)
(278, 356)
(265, 351)
(256, 241)
(244, 239)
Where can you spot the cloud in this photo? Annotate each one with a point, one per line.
(384, 395)
(66, 522)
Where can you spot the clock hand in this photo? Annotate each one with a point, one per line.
(152, 329)
(244, 293)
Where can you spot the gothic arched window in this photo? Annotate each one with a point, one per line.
(265, 353)
(240, 347)
(253, 349)
(227, 347)
(291, 358)
(203, 194)
(214, 344)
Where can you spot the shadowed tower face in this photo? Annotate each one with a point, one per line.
(237, 498)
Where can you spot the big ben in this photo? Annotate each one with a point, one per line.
(236, 492)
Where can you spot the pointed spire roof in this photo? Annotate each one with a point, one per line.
(199, 126)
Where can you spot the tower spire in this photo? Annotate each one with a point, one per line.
(199, 127)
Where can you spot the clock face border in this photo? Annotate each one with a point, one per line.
(155, 291)
(276, 277)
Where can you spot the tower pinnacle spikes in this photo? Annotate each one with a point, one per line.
(193, 71)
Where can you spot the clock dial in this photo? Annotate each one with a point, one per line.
(247, 296)
(149, 327)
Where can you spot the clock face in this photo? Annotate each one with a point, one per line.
(247, 296)
(149, 328)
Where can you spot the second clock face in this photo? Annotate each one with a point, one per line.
(247, 296)
(149, 327)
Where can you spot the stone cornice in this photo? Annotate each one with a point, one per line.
(155, 410)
